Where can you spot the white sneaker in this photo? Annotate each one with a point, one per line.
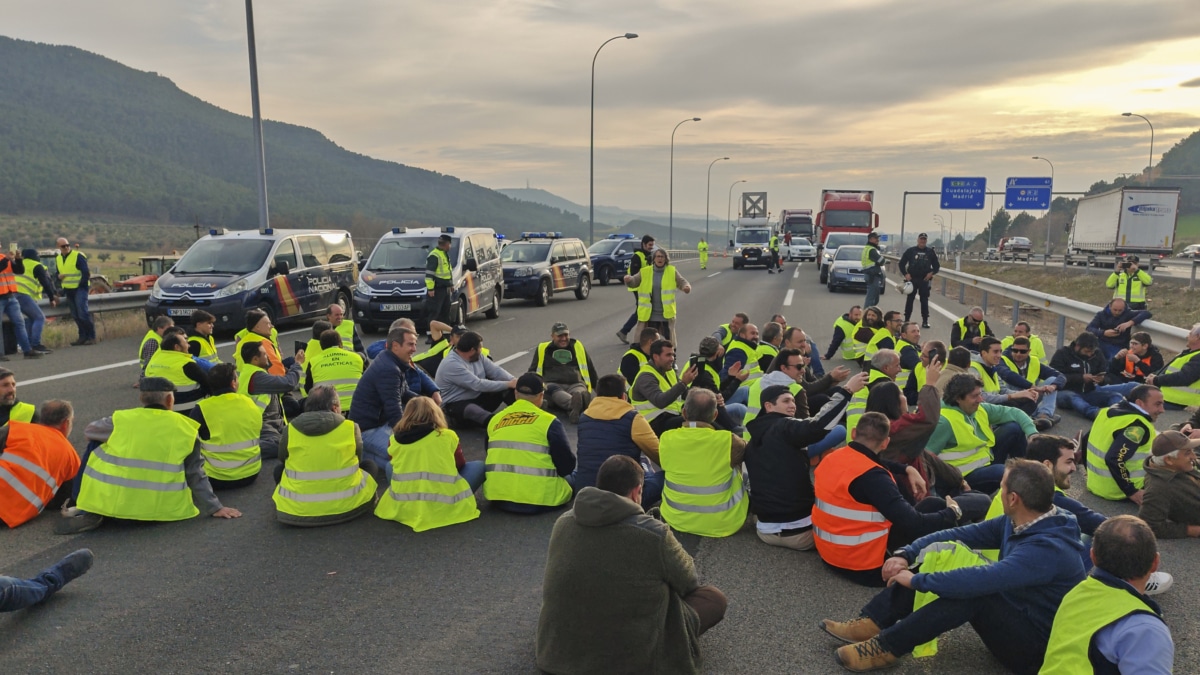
(1159, 582)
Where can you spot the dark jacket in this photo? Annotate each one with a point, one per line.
(776, 456)
(1036, 568)
(1120, 448)
(1073, 367)
(380, 394)
(612, 596)
(1016, 378)
(1149, 364)
(1171, 502)
(610, 426)
(1185, 377)
(917, 262)
(878, 487)
(1106, 320)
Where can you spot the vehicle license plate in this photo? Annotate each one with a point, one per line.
(182, 311)
(395, 307)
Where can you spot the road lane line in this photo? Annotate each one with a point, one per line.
(787, 300)
(796, 274)
(511, 357)
(940, 310)
(712, 275)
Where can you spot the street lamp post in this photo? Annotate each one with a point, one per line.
(707, 198)
(728, 203)
(592, 144)
(1046, 256)
(671, 198)
(264, 220)
(941, 223)
(1150, 166)
(950, 242)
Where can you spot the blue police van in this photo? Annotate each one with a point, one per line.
(289, 274)
(610, 257)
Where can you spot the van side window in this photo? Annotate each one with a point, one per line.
(484, 251)
(312, 251)
(577, 250)
(559, 252)
(340, 251)
(287, 253)
(626, 247)
(468, 249)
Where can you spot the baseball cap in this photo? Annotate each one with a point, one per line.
(156, 384)
(873, 235)
(709, 347)
(530, 384)
(922, 236)
(458, 330)
(1170, 441)
(559, 328)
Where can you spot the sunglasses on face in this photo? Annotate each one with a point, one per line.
(1020, 351)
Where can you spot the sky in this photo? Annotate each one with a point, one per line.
(846, 94)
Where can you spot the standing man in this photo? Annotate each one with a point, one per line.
(567, 370)
(439, 280)
(639, 260)
(1129, 283)
(71, 268)
(31, 280)
(773, 261)
(10, 305)
(872, 264)
(702, 248)
(918, 265)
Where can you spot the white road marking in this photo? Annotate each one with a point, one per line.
(940, 310)
(787, 300)
(712, 275)
(510, 357)
(796, 274)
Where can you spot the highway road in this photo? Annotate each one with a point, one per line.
(250, 595)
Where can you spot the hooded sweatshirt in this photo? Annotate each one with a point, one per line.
(612, 598)
(317, 423)
(610, 426)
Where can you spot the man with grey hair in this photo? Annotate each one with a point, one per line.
(37, 463)
(1180, 378)
(1171, 501)
(970, 330)
(702, 491)
(381, 392)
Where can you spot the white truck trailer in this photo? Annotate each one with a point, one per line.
(1126, 221)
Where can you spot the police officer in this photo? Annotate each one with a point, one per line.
(230, 424)
(529, 455)
(918, 265)
(31, 280)
(872, 265)
(640, 259)
(1129, 282)
(702, 249)
(439, 280)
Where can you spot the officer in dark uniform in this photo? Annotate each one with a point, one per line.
(918, 265)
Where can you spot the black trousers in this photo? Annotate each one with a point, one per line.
(438, 305)
(920, 288)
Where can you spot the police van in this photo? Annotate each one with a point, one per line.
(289, 274)
(544, 263)
(392, 284)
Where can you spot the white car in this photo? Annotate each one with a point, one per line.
(1191, 251)
(801, 249)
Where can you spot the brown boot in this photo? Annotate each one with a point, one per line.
(855, 630)
(863, 656)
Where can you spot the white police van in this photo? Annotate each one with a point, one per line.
(289, 274)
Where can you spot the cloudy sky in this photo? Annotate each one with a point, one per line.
(801, 96)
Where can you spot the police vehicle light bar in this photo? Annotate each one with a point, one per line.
(620, 236)
(541, 235)
(499, 236)
(216, 231)
(448, 230)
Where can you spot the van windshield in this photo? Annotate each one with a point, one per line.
(753, 236)
(224, 256)
(405, 254)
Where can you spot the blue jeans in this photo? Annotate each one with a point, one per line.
(1046, 405)
(77, 302)
(10, 305)
(21, 593)
(834, 439)
(737, 411)
(473, 473)
(1089, 404)
(34, 319)
(375, 448)
(814, 355)
(740, 397)
(874, 286)
(1109, 349)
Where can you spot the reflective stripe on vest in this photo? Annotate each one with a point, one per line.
(1186, 396)
(860, 347)
(208, 348)
(270, 346)
(346, 330)
(1085, 610)
(645, 305)
(702, 494)
(439, 347)
(341, 369)
(749, 361)
(848, 534)
(640, 255)
(1105, 428)
(873, 346)
(1129, 287)
(32, 484)
(727, 335)
(321, 475)
(441, 269)
(847, 344)
(68, 267)
(648, 409)
(244, 374)
(1033, 373)
(518, 463)
(21, 412)
(943, 556)
(169, 364)
(580, 361)
(150, 335)
(970, 450)
(27, 282)
(232, 449)
(858, 401)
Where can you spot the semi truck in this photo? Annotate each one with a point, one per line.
(1126, 221)
(752, 236)
(799, 224)
(846, 211)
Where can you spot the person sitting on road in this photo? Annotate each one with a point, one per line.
(336, 316)
(725, 333)
(656, 287)
(1129, 283)
(658, 392)
(1084, 367)
(1010, 604)
(1180, 379)
(778, 459)
(868, 328)
(860, 513)
(928, 352)
(230, 429)
(615, 575)
(795, 338)
(312, 349)
(143, 464)
(259, 329)
(432, 483)
(1140, 360)
(336, 366)
(1003, 387)
(37, 463)
(1037, 348)
(958, 362)
(1027, 371)
(610, 426)
(884, 366)
(473, 388)
(1106, 624)
(743, 351)
(152, 340)
(816, 384)
(1114, 326)
(323, 476)
(18, 594)
(173, 362)
(638, 354)
(730, 414)
(769, 344)
(267, 390)
(886, 338)
(442, 339)
(528, 454)
(843, 335)
(379, 397)
(977, 437)
(567, 369)
(1171, 502)
(10, 407)
(1119, 444)
(702, 486)
(970, 330)
(201, 343)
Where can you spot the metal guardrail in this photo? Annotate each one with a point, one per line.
(1167, 337)
(101, 302)
(681, 254)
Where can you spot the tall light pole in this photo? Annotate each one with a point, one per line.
(941, 223)
(1050, 210)
(950, 242)
(592, 144)
(264, 220)
(671, 198)
(1150, 166)
(729, 203)
(707, 192)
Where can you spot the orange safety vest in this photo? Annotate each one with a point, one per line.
(1130, 363)
(8, 279)
(849, 534)
(36, 461)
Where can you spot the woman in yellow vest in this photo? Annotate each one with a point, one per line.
(432, 485)
(656, 289)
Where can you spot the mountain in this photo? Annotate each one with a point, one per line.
(612, 215)
(83, 133)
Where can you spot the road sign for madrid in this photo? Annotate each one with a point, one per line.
(963, 193)
(1028, 193)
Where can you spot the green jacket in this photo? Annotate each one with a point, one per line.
(943, 435)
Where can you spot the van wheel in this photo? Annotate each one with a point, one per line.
(602, 276)
(543, 296)
(585, 287)
(494, 312)
(343, 301)
(460, 316)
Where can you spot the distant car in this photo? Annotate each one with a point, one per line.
(1190, 251)
(991, 253)
(846, 271)
(541, 264)
(802, 249)
(832, 242)
(610, 257)
(1012, 248)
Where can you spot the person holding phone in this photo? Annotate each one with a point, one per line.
(658, 391)
(1129, 282)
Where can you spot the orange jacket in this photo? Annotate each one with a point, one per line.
(37, 460)
(848, 534)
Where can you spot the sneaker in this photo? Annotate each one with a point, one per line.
(1056, 418)
(854, 630)
(925, 324)
(577, 401)
(622, 337)
(43, 350)
(89, 341)
(863, 656)
(78, 521)
(74, 565)
(31, 354)
(1043, 423)
(1159, 582)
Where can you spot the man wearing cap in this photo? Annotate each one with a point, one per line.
(143, 464)
(918, 265)
(1119, 443)
(567, 370)
(1171, 502)
(872, 265)
(439, 280)
(32, 279)
(529, 455)
(442, 339)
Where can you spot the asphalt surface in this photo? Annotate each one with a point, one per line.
(250, 595)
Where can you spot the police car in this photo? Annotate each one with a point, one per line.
(610, 257)
(541, 264)
(392, 283)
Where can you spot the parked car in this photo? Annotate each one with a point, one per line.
(801, 249)
(610, 257)
(846, 271)
(991, 253)
(1012, 248)
(544, 263)
(1189, 251)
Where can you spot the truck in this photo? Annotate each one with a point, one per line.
(1126, 221)
(799, 224)
(847, 211)
(752, 236)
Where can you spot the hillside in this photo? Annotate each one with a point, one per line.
(608, 215)
(82, 133)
